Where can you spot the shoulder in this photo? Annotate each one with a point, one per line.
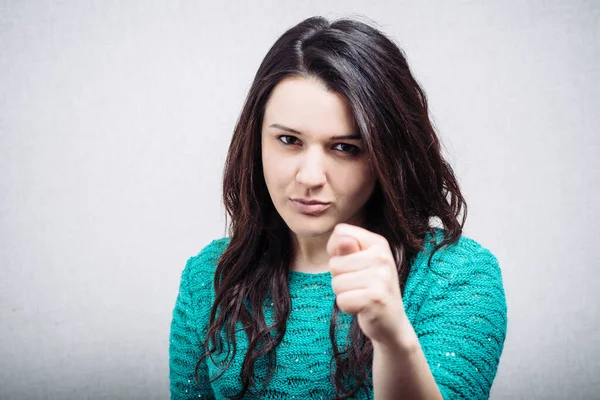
(457, 307)
(208, 256)
(200, 267)
(464, 264)
(463, 256)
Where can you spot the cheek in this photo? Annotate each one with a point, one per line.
(362, 188)
(354, 182)
(268, 161)
(275, 169)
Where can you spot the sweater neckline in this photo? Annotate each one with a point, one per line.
(307, 277)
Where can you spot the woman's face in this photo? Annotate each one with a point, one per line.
(311, 152)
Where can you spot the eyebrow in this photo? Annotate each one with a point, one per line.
(285, 128)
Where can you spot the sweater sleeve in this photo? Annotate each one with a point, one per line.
(462, 324)
(186, 335)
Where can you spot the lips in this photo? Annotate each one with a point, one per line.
(310, 206)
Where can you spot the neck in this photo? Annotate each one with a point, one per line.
(310, 253)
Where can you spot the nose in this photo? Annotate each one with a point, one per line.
(311, 169)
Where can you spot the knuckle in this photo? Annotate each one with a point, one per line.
(383, 274)
(381, 254)
(382, 240)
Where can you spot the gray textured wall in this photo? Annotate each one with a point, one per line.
(115, 118)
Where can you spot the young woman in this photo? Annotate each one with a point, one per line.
(333, 282)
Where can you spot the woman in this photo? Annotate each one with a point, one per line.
(333, 283)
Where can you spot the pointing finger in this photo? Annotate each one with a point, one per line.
(346, 245)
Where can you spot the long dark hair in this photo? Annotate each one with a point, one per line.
(414, 185)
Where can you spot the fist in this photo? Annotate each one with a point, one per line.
(365, 281)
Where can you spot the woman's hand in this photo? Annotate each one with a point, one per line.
(365, 281)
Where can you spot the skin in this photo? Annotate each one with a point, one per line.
(309, 163)
(312, 165)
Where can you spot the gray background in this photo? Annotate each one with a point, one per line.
(115, 118)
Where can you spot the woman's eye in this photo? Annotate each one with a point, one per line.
(348, 148)
(288, 139)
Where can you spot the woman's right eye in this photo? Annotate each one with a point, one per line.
(286, 139)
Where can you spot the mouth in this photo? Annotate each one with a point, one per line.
(310, 207)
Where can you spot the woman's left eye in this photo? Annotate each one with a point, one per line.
(348, 148)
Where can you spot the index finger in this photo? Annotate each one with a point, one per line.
(364, 237)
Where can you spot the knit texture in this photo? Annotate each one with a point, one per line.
(457, 308)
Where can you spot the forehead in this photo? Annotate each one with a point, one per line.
(306, 105)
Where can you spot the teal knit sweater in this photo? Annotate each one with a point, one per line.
(458, 313)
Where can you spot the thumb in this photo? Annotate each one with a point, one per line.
(347, 245)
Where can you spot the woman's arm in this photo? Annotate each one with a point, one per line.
(461, 328)
(400, 369)
(185, 339)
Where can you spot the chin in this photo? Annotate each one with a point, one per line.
(307, 228)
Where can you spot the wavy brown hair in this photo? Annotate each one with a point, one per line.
(414, 185)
